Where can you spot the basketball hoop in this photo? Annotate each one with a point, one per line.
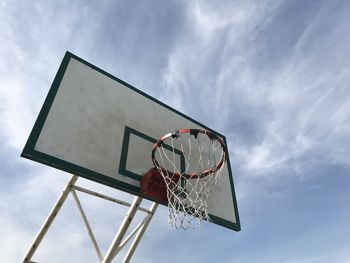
(187, 163)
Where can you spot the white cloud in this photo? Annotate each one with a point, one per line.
(304, 106)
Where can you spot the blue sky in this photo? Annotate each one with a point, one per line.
(273, 76)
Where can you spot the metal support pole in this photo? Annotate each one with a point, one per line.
(122, 229)
(120, 202)
(139, 234)
(50, 218)
(134, 232)
(87, 225)
(118, 243)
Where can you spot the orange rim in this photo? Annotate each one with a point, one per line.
(195, 133)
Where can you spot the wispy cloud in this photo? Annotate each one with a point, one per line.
(275, 116)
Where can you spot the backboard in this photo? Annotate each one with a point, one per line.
(97, 126)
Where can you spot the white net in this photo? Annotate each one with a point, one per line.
(190, 166)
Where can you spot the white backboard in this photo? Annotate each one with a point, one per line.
(96, 126)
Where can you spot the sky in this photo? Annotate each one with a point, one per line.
(273, 76)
